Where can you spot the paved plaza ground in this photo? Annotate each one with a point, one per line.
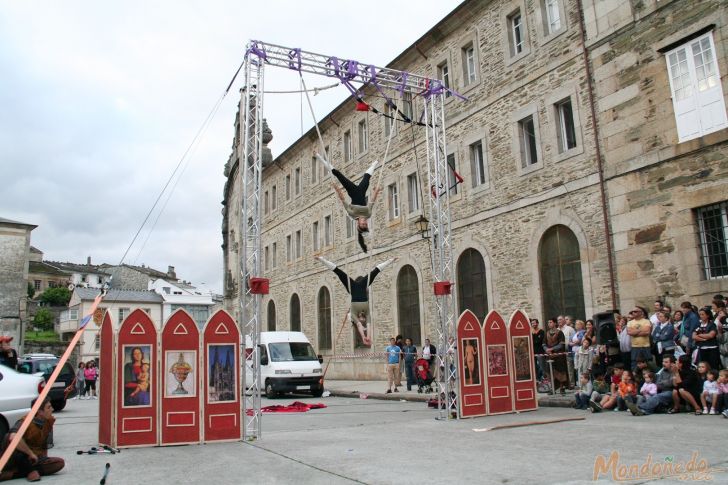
(394, 442)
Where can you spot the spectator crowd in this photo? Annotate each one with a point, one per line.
(664, 361)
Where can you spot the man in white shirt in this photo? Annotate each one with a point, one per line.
(568, 332)
(653, 318)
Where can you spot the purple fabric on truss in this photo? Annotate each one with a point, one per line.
(254, 49)
(295, 55)
(402, 86)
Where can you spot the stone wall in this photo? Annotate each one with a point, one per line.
(14, 249)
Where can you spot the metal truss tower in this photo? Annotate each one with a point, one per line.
(432, 93)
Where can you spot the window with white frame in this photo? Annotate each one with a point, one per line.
(97, 342)
(347, 146)
(266, 202)
(527, 140)
(697, 94)
(393, 199)
(552, 20)
(288, 187)
(565, 129)
(73, 314)
(350, 226)
(443, 74)
(451, 178)
(469, 71)
(363, 134)
(266, 258)
(298, 244)
(36, 284)
(407, 108)
(516, 33)
(123, 313)
(389, 118)
(713, 230)
(314, 169)
(273, 197)
(315, 236)
(289, 249)
(413, 193)
(478, 165)
(327, 231)
(275, 255)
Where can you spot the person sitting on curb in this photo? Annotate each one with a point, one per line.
(663, 399)
(30, 459)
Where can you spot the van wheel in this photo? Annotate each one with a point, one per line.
(317, 392)
(58, 405)
(269, 392)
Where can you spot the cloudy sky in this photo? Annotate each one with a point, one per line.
(100, 100)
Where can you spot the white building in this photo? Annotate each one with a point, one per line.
(119, 303)
(180, 294)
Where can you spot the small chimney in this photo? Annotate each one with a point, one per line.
(171, 273)
(88, 261)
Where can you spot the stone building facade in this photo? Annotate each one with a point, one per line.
(579, 194)
(14, 253)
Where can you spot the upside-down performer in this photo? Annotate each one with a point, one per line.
(359, 209)
(357, 288)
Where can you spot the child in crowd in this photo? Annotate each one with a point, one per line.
(710, 392)
(648, 389)
(627, 391)
(600, 389)
(642, 366)
(610, 400)
(703, 369)
(80, 381)
(584, 393)
(723, 392)
(584, 358)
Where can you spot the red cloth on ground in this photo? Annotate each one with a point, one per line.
(294, 407)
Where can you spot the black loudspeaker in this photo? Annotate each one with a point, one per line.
(606, 328)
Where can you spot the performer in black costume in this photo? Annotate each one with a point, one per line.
(359, 209)
(357, 288)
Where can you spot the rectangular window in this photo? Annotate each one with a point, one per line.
(451, 179)
(697, 94)
(515, 23)
(266, 258)
(315, 236)
(73, 314)
(327, 155)
(273, 197)
(363, 136)
(389, 117)
(713, 230)
(266, 202)
(275, 255)
(393, 198)
(314, 169)
(565, 132)
(527, 137)
(36, 284)
(297, 180)
(350, 226)
(413, 193)
(298, 244)
(407, 107)
(469, 72)
(477, 164)
(288, 187)
(123, 313)
(443, 74)
(289, 249)
(347, 146)
(553, 16)
(327, 231)
(97, 342)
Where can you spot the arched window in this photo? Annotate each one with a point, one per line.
(408, 304)
(324, 318)
(472, 291)
(271, 316)
(295, 312)
(559, 261)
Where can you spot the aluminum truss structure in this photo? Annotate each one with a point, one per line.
(432, 93)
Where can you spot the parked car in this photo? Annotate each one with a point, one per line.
(17, 391)
(44, 365)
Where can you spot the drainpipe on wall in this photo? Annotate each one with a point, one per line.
(600, 166)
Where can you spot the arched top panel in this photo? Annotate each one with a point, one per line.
(221, 327)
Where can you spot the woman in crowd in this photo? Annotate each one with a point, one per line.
(538, 336)
(687, 386)
(625, 343)
(555, 345)
(663, 336)
(90, 375)
(80, 381)
(705, 339)
(677, 321)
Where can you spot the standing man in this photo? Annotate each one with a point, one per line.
(663, 399)
(690, 323)
(658, 307)
(428, 353)
(30, 459)
(393, 353)
(568, 332)
(410, 354)
(8, 355)
(639, 329)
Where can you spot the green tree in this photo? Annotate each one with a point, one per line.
(56, 296)
(43, 319)
(31, 291)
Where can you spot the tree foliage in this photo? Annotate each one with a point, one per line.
(43, 319)
(56, 296)
(31, 291)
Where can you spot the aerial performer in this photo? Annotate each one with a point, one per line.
(358, 289)
(359, 208)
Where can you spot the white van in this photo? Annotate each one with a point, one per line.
(288, 363)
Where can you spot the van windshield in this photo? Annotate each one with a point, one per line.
(291, 351)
